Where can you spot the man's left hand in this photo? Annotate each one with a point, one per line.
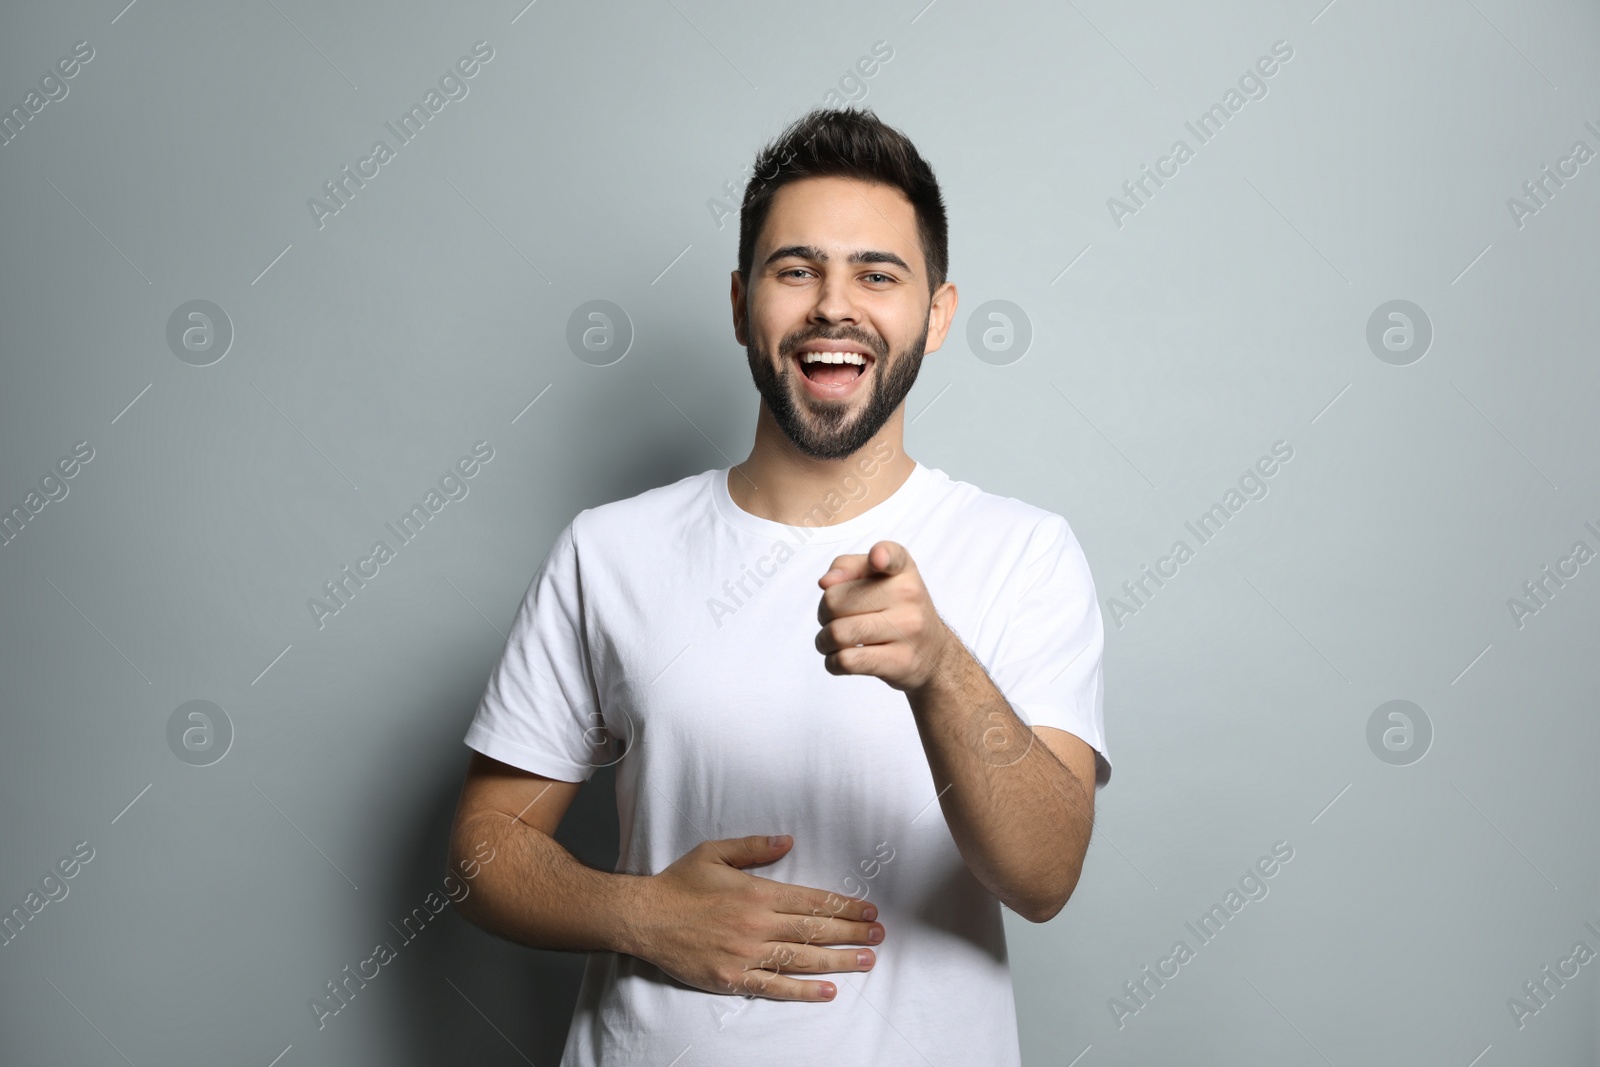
(877, 618)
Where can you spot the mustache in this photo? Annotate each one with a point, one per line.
(873, 344)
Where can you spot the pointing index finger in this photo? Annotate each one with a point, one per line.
(893, 557)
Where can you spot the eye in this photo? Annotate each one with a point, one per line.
(880, 274)
(791, 270)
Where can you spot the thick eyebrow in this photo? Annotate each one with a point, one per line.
(817, 255)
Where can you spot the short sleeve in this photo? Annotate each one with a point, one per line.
(539, 711)
(1048, 663)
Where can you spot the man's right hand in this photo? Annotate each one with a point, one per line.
(715, 927)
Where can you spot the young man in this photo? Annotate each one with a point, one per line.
(854, 705)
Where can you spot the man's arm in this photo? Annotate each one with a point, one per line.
(1020, 804)
(703, 920)
(1017, 800)
(535, 892)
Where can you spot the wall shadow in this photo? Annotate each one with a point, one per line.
(464, 995)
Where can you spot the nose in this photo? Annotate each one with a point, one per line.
(835, 304)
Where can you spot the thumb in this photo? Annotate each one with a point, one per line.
(751, 850)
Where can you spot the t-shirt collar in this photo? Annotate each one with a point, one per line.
(873, 518)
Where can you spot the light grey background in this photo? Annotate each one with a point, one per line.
(1168, 354)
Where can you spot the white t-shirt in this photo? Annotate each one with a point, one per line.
(672, 633)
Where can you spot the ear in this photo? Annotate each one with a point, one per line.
(736, 297)
(941, 312)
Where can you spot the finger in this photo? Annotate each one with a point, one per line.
(781, 987)
(822, 929)
(853, 630)
(784, 957)
(860, 596)
(888, 557)
(803, 900)
(791, 899)
(844, 569)
(886, 660)
(750, 850)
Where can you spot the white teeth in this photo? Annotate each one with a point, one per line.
(834, 357)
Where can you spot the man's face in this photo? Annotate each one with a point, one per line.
(838, 267)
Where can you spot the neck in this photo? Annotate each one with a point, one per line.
(783, 484)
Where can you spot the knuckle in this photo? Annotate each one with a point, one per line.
(809, 928)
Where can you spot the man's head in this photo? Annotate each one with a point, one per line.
(843, 248)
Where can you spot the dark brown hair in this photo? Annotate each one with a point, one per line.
(847, 143)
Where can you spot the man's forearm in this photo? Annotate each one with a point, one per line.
(539, 894)
(1020, 818)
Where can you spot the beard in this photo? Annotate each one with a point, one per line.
(825, 429)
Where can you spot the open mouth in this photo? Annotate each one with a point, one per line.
(833, 368)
